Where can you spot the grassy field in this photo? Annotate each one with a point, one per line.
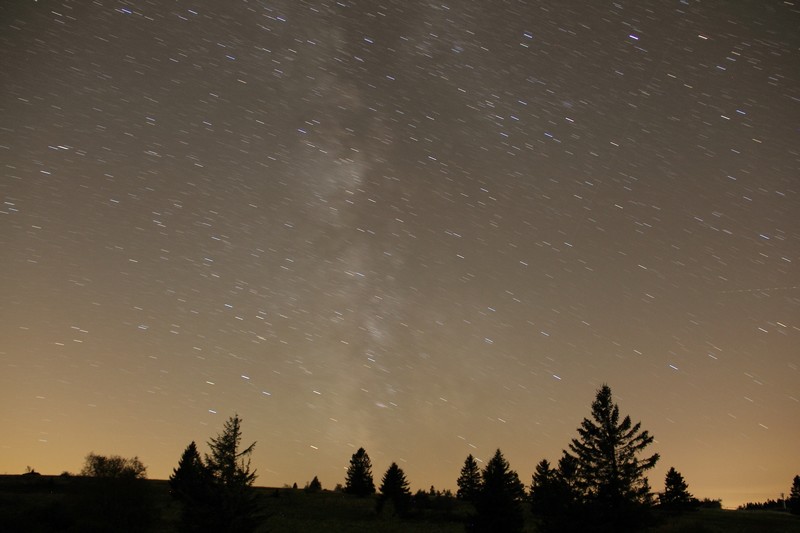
(295, 510)
(723, 521)
(33, 504)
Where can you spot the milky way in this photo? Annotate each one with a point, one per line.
(426, 229)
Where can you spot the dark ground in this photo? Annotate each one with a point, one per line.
(33, 504)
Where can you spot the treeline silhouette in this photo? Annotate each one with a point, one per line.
(770, 505)
(791, 504)
(597, 485)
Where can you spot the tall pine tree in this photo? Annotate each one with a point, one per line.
(395, 488)
(190, 484)
(469, 482)
(676, 495)
(359, 475)
(232, 505)
(499, 500)
(227, 464)
(610, 474)
(544, 494)
(189, 479)
(794, 496)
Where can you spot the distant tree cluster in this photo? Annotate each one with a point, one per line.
(118, 494)
(394, 490)
(791, 504)
(768, 505)
(113, 466)
(313, 486)
(708, 503)
(433, 500)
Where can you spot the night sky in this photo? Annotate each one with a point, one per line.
(429, 229)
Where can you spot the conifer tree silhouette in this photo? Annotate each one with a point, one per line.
(469, 482)
(359, 475)
(610, 474)
(395, 488)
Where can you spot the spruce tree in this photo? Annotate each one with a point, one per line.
(190, 484)
(676, 495)
(567, 475)
(232, 502)
(314, 485)
(469, 482)
(359, 475)
(544, 493)
(794, 496)
(498, 501)
(610, 475)
(188, 480)
(554, 497)
(228, 465)
(395, 488)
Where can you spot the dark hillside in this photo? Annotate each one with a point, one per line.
(33, 504)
